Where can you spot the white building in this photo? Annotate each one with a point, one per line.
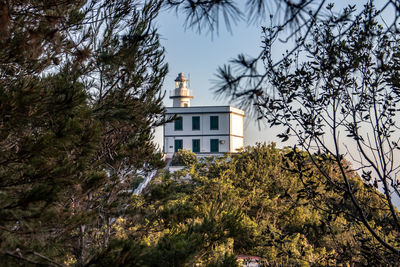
(206, 130)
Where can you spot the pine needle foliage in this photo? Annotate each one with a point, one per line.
(80, 96)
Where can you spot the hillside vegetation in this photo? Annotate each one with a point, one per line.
(265, 202)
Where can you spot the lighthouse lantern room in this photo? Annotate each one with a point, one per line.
(181, 95)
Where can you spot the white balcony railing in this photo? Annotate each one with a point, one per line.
(180, 93)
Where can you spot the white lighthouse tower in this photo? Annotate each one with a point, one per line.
(181, 95)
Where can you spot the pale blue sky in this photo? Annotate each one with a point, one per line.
(198, 56)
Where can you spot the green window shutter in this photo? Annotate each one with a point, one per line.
(195, 123)
(178, 124)
(196, 145)
(214, 145)
(213, 122)
(178, 144)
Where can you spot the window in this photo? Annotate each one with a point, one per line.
(196, 145)
(214, 123)
(178, 124)
(178, 144)
(195, 123)
(214, 145)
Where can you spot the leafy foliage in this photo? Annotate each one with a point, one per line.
(268, 202)
(337, 97)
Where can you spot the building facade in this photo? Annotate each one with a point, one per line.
(206, 130)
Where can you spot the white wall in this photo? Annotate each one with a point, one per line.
(224, 133)
(237, 143)
(223, 125)
(169, 143)
(237, 124)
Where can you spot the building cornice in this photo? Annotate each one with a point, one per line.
(203, 110)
